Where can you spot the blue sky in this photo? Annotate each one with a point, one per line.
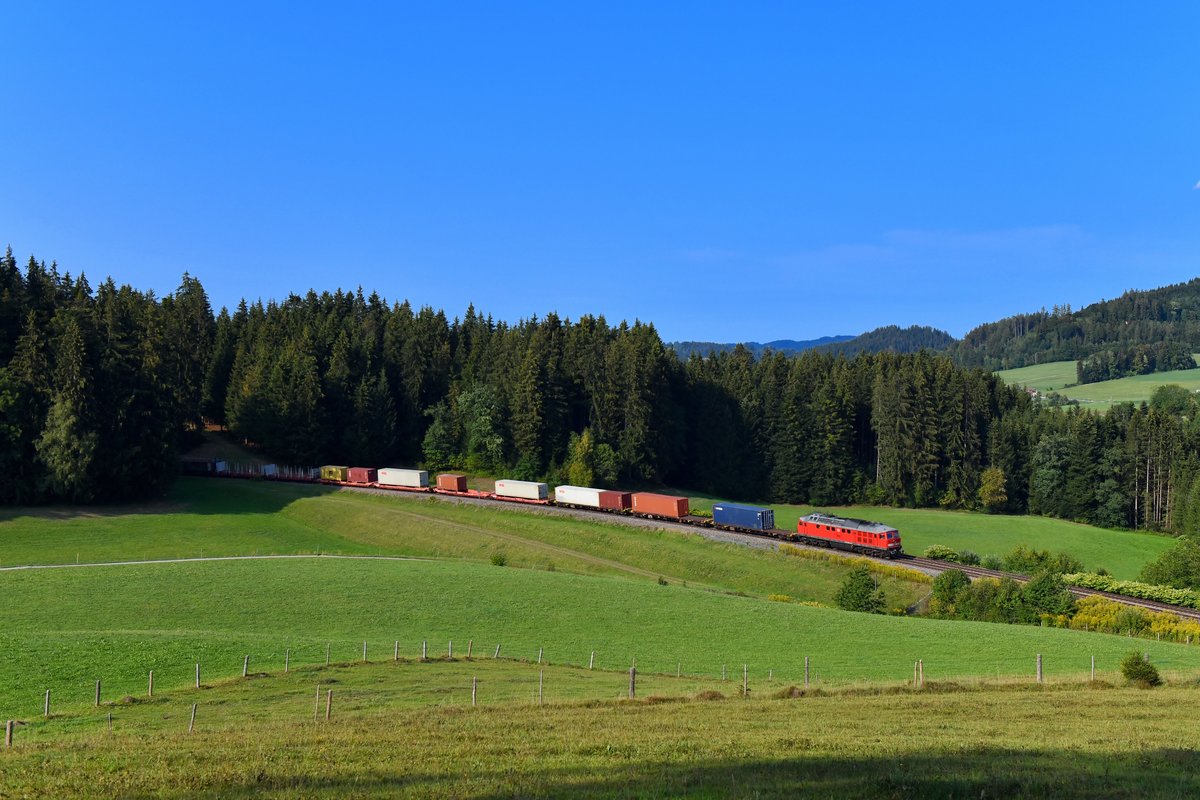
(745, 171)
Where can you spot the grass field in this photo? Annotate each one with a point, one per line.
(208, 517)
(1098, 396)
(408, 729)
(74, 626)
(1123, 553)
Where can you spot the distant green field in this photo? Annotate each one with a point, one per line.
(210, 517)
(74, 626)
(1123, 553)
(1098, 396)
(1044, 377)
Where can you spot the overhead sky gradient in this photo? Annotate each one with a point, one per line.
(740, 171)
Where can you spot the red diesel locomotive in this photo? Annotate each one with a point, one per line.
(846, 533)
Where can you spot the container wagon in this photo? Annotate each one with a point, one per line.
(363, 475)
(752, 518)
(588, 497)
(847, 533)
(410, 478)
(452, 482)
(522, 490)
(332, 473)
(659, 505)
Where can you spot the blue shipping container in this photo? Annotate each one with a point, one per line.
(739, 516)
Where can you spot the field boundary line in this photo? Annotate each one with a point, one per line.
(216, 558)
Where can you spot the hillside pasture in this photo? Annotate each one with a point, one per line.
(1056, 376)
(408, 730)
(76, 625)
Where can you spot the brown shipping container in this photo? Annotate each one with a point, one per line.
(660, 505)
(362, 475)
(615, 501)
(452, 482)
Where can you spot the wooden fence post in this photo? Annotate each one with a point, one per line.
(327, 654)
(1093, 668)
(745, 679)
(921, 671)
(592, 659)
(806, 672)
(150, 685)
(317, 703)
(364, 651)
(197, 674)
(497, 652)
(470, 644)
(678, 668)
(1039, 667)
(97, 692)
(8, 732)
(328, 704)
(541, 676)
(450, 650)
(539, 655)
(396, 651)
(287, 659)
(474, 688)
(192, 721)
(632, 682)
(424, 649)
(722, 672)
(47, 703)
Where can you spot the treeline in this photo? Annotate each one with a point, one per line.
(1168, 314)
(96, 386)
(894, 339)
(1141, 359)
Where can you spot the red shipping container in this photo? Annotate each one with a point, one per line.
(363, 475)
(451, 482)
(615, 501)
(660, 505)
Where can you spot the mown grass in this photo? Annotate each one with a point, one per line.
(210, 517)
(65, 628)
(408, 730)
(1123, 553)
(1100, 396)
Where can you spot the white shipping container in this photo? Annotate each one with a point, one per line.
(524, 490)
(391, 476)
(577, 496)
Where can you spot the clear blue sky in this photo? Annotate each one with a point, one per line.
(744, 171)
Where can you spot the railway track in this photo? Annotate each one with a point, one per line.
(704, 524)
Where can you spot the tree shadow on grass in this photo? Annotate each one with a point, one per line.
(975, 773)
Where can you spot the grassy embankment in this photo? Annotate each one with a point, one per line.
(408, 729)
(1123, 553)
(73, 626)
(1098, 396)
(205, 517)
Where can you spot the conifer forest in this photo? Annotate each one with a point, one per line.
(101, 389)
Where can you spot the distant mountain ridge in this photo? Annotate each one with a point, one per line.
(888, 338)
(685, 349)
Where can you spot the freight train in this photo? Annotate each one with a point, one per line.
(823, 530)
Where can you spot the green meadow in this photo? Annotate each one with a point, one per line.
(76, 625)
(1056, 376)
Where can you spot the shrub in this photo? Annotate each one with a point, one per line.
(1146, 591)
(780, 598)
(1047, 594)
(992, 562)
(499, 559)
(1030, 561)
(947, 586)
(1139, 671)
(969, 558)
(941, 552)
(858, 592)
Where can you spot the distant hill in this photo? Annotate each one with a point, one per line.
(685, 349)
(1170, 314)
(895, 339)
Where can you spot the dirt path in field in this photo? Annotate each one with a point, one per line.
(536, 544)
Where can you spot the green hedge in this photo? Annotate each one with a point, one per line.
(1146, 591)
